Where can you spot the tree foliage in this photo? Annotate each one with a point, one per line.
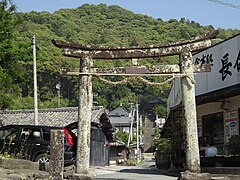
(122, 136)
(8, 63)
(87, 24)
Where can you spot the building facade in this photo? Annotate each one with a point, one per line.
(217, 98)
(121, 119)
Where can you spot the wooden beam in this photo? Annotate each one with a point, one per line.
(136, 70)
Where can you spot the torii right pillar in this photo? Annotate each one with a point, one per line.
(189, 112)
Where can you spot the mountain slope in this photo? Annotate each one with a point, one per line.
(98, 25)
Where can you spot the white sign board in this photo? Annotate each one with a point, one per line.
(225, 60)
(230, 124)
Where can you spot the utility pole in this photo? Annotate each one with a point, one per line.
(137, 119)
(141, 138)
(140, 125)
(131, 128)
(35, 81)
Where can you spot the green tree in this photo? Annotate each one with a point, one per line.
(8, 23)
(122, 136)
(87, 24)
(5, 86)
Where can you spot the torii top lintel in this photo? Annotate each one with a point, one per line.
(119, 52)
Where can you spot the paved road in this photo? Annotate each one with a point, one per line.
(136, 173)
(144, 172)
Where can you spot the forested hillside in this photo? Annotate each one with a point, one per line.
(88, 24)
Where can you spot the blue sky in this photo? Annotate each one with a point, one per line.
(204, 12)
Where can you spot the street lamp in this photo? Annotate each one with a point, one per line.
(58, 87)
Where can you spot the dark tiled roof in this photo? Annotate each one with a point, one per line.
(120, 117)
(50, 117)
(119, 111)
(58, 117)
(124, 121)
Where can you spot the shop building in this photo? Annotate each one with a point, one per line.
(217, 99)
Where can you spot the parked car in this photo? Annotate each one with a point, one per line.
(33, 143)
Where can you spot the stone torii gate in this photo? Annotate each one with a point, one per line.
(87, 53)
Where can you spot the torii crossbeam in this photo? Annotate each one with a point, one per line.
(108, 52)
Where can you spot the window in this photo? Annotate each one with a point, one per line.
(30, 134)
(46, 134)
(9, 134)
(213, 129)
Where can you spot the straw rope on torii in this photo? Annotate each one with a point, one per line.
(145, 81)
(137, 73)
(87, 53)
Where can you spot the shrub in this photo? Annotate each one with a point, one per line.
(234, 140)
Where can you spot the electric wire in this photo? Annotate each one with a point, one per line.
(225, 4)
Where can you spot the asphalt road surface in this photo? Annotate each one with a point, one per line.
(145, 172)
(137, 173)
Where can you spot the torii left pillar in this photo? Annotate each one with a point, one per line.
(84, 118)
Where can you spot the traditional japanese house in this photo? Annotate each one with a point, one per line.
(102, 131)
(121, 119)
(118, 152)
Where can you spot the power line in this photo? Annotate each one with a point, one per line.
(225, 4)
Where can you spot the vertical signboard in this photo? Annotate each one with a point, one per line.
(230, 124)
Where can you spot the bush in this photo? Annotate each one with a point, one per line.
(164, 145)
(234, 140)
(131, 162)
(234, 143)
